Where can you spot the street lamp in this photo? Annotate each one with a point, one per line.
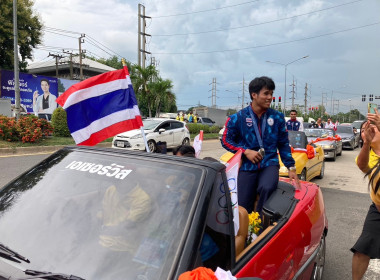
(286, 65)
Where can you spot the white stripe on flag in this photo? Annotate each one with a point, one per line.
(96, 90)
(85, 133)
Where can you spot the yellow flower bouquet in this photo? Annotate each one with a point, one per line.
(254, 226)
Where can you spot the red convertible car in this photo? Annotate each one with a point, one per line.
(87, 213)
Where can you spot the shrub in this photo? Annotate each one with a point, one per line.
(27, 129)
(59, 122)
(8, 129)
(32, 129)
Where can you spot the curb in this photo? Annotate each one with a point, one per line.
(40, 149)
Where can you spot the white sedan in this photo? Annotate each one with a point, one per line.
(172, 132)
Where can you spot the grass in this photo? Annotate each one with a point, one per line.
(64, 141)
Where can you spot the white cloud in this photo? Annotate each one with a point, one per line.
(348, 58)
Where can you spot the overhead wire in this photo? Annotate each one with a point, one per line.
(255, 24)
(203, 11)
(273, 44)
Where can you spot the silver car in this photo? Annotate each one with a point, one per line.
(332, 147)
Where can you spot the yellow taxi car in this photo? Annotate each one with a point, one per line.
(310, 159)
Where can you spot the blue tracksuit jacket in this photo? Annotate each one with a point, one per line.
(239, 134)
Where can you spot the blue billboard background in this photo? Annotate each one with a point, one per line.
(28, 85)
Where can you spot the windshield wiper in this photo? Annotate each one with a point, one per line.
(49, 275)
(9, 254)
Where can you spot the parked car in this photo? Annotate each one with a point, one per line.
(91, 213)
(350, 139)
(307, 166)
(357, 125)
(205, 121)
(172, 132)
(327, 139)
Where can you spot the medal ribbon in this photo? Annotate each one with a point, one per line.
(263, 123)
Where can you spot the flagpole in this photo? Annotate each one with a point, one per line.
(142, 127)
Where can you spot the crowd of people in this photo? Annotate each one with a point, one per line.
(189, 118)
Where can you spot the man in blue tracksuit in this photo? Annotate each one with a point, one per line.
(292, 124)
(259, 132)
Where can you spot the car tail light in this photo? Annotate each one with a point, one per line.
(187, 128)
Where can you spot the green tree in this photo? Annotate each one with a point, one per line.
(29, 32)
(161, 90)
(142, 79)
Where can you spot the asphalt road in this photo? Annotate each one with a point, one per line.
(345, 194)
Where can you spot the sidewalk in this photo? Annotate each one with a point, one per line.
(39, 149)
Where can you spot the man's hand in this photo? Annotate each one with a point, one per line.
(253, 156)
(294, 179)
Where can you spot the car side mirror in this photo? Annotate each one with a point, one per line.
(161, 130)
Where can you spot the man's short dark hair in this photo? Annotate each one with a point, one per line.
(45, 80)
(259, 83)
(184, 150)
(293, 111)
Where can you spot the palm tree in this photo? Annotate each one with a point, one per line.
(141, 79)
(162, 94)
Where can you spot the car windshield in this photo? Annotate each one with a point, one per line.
(357, 124)
(344, 129)
(297, 139)
(99, 216)
(207, 120)
(150, 124)
(318, 133)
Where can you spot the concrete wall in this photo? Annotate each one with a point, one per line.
(5, 107)
(219, 116)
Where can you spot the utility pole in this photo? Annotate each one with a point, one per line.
(323, 94)
(141, 40)
(57, 57)
(243, 94)
(15, 66)
(213, 93)
(81, 40)
(293, 85)
(70, 63)
(305, 99)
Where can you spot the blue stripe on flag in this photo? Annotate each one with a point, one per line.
(87, 111)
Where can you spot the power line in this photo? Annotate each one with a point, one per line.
(274, 44)
(256, 24)
(92, 39)
(203, 11)
(60, 34)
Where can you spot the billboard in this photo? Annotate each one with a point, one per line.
(37, 93)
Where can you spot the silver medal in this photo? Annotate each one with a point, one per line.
(262, 152)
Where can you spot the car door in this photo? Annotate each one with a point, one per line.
(165, 136)
(178, 129)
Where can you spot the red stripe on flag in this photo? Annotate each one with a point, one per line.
(112, 130)
(93, 81)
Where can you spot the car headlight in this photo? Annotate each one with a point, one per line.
(328, 147)
(137, 136)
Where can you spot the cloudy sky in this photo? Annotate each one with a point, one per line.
(195, 41)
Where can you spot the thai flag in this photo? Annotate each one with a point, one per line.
(101, 107)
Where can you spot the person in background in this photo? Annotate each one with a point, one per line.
(190, 117)
(259, 132)
(293, 124)
(196, 118)
(184, 151)
(318, 124)
(368, 245)
(178, 117)
(329, 124)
